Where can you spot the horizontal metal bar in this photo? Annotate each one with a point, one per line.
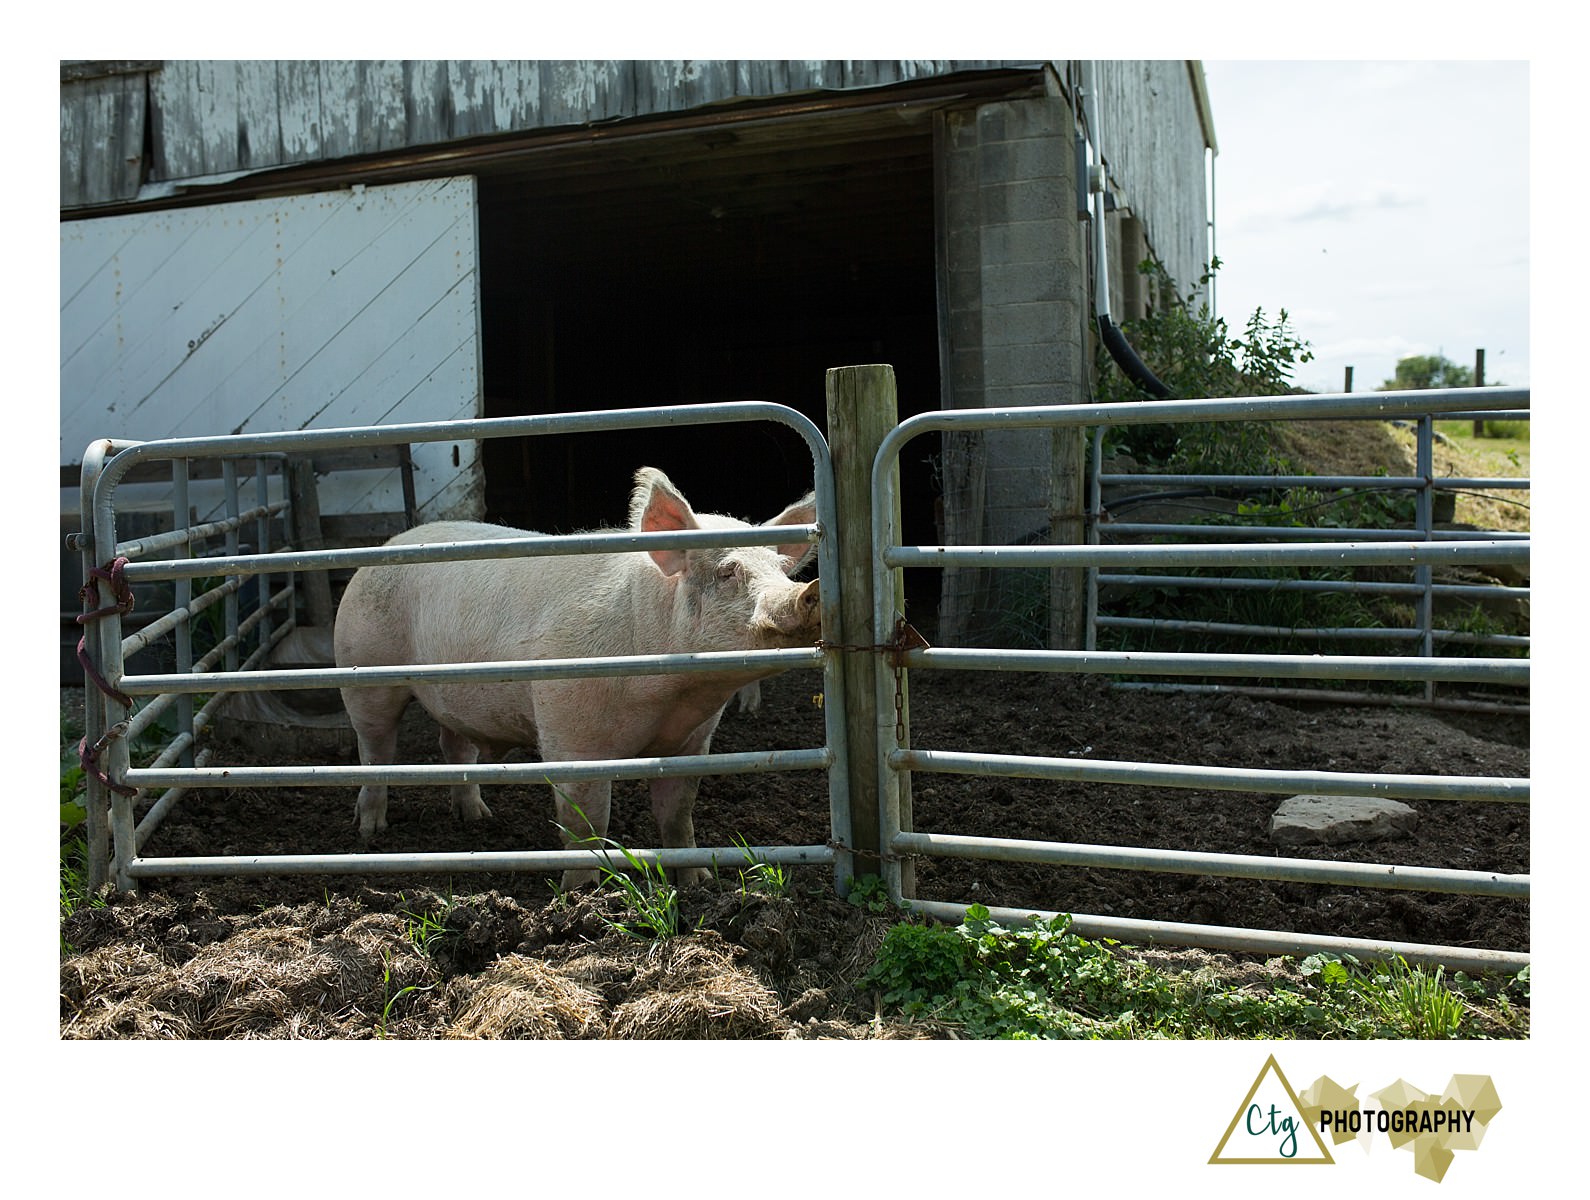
(1300, 533)
(1234, 866)
(1333, 405)
(703, 662)
(610, 542)
(1326, 482)
(1390, 668)
(478, 860)
(1267, 942)
(1346, 633)
(1330, 696)
(1224, 779)
(1344, 554)
(1478, 591)
(595, 421)
(748, 763)
(1457, 637)
(189, 534)
(1500, 483)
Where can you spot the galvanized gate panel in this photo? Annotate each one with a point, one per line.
(336, 309)
(125, 700)
(897, 758)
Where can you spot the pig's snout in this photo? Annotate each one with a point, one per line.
(797, 613)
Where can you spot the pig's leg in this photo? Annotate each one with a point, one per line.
(374, 714)
(583, 811)
(673, 802)
(460, 751)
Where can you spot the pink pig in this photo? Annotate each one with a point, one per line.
(573, 606)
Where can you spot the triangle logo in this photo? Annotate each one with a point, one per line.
(1269, 1126)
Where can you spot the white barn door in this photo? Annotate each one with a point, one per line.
(353, 307)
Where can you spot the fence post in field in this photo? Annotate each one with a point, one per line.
(1479, 382)
(304, 496)
(861, 411)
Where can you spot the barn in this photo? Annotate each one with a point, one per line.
(274, 245)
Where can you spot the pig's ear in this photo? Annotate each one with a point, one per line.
(656, 506)
(802, 512)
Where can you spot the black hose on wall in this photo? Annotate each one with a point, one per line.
(1121, 351)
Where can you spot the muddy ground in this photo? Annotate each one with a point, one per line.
(503, 956)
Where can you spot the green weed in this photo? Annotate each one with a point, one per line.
(1044, 981)
(765, 878)
(652, 898)
(389, 997)
(869, 892)
(424, 929)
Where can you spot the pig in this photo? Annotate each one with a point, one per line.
(573, 606)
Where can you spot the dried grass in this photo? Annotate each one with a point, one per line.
(266, 981)
(691, 988)
(520, 997)
(346, 969)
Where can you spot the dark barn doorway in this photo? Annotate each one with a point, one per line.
(712, 265)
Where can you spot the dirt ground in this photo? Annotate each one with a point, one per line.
(341, 956)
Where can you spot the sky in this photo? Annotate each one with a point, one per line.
(1382, 204)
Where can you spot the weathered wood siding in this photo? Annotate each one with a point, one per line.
(102, 139)
(213, 118)
(357, 307)
(1154, 149)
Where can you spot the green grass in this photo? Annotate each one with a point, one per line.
(423, 929)
(1043, 981)
(765, 878)
(1502, 451)
(652, 899)
(391, 998)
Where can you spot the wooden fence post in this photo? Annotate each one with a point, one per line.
(304, 496)
(1479, 382)
(862, 410)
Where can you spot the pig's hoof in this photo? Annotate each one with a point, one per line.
(472, 811)
(576, 879)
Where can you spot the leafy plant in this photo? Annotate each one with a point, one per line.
(869, 892)
(424, 929)
(769, 879)
(1044, 981)
(652, 898)
(1194, 353)
(390, 998)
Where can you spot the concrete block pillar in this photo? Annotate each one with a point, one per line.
(1013, 300)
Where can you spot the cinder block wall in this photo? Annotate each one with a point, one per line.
(1013, 291)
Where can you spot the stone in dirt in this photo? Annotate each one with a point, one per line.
(1332, 820)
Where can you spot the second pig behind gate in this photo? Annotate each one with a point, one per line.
(573, 606)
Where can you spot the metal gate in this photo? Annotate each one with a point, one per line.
(897, 758)
(114, 567)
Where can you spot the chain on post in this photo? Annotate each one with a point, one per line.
(114, 577)
(906, 638)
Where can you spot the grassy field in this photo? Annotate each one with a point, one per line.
(1378, 447)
